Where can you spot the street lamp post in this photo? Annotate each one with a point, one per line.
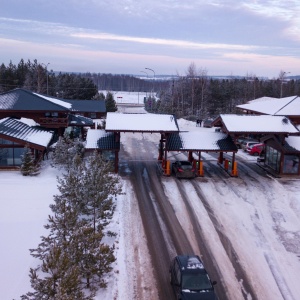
(153, 78)
(282, 79)
(147, 79)
(46, 66)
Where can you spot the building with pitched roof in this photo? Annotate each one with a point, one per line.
(50, 112)
(51, 116)
(280, 136)
(288, 107)
(15, 135)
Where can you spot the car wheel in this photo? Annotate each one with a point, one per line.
(255, 154)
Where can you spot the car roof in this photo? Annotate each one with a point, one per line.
(190, 262)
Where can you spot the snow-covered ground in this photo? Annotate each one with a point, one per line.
(129, 97)
(264, 226)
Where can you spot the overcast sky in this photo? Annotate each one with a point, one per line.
(224, 37)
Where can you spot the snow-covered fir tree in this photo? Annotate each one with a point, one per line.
(110, 103)
(100, 187)
(62, 280)
(76, 231)
(29, 166)
(65, 150)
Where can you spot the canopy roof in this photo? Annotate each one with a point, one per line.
(141, 123)
(288, 106)
(200, 141)
(18, 130)
(100, 139)
(262, 124)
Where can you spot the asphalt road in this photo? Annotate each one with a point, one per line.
(165, 235)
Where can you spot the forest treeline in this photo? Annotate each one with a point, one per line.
(194, 94)
(38, 77)
(197, 95)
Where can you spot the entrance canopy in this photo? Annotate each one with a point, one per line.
(116, 122)
(200, 141)
(261, 124)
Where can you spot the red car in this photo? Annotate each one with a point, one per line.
(256, 149)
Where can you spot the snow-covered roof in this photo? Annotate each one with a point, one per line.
(294, 141)
(54, 100)
(259, 124)
(141, 122)
(20, 130)
(201, 141)
(288, 106)
(21, 99)
(100, 139)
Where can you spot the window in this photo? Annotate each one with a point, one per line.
(93, 115)
(10, 155)
(290, 164)
(273, 157)
(196, 281)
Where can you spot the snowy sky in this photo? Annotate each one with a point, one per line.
(229, 37)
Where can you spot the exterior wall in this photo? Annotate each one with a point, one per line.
(11, 152)
(281, 162)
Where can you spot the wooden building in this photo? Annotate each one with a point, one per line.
(50, 117)
(280, 136)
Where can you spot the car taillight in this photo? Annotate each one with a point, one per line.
(180, 170)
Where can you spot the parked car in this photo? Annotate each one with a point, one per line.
(183, 169)
(239, 141)
(207, 122)
(190, 280)
(247, 144)
(256, 149)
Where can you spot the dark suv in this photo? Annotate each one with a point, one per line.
(190, 280)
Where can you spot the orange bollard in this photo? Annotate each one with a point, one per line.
(168, 169)
(226, 164)
(201, 170)
(234, 171)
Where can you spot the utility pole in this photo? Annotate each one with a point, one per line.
(46, 66)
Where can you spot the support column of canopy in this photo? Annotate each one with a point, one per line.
(117, 136)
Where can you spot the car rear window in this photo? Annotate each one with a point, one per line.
(196, 281)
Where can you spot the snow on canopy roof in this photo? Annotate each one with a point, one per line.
(274, 106)
(19, 130)
(291, 109)
(55, 101)
(294, 141)
(204, 141)
(141, 122)
(99, 139)
(260, 124)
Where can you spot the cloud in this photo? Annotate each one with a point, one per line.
(165, 42)
(224, 36)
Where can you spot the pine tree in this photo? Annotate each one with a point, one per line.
(74, 241)
(100, 187)
(65, 151)
(29, 166)
(62, 280)
(99, 96)
(110, 103)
